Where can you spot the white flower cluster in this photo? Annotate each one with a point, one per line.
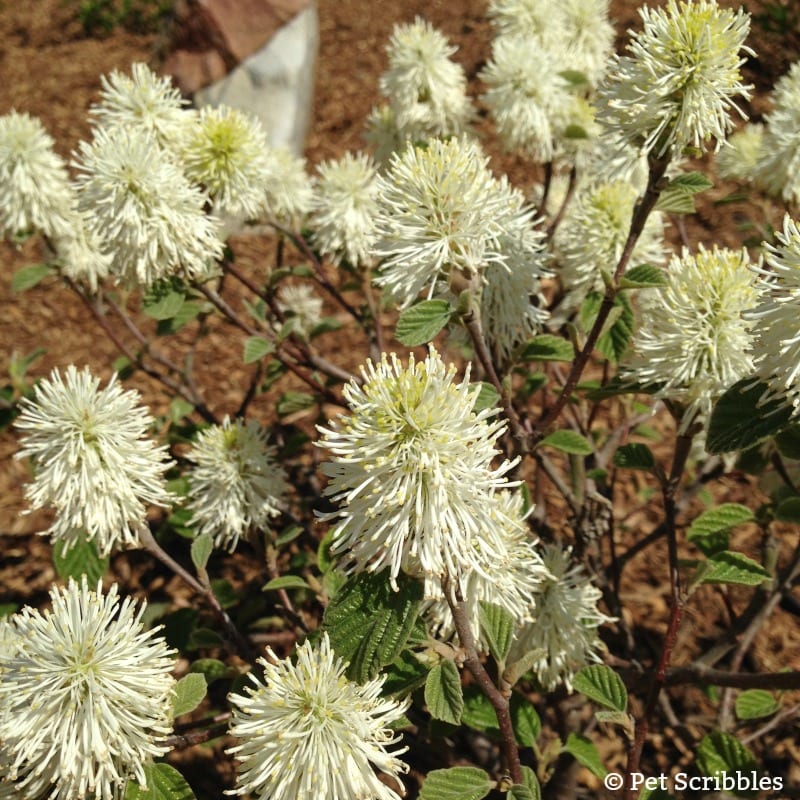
(138, 209)
(678, 86)
(425, 89)
(309, 732)
(696, 338)
(92, 461)
(85, 697)
(412, 466)
(562, 636)
(236, 484)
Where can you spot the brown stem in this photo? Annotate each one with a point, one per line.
(640, 215)
(699, 673)
(473, 663)
(553, 226)
(235, 637)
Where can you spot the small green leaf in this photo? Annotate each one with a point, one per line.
(532, 782)
(420, 323)
(691, 182)
(163, 783)
(547, 347)
(574, 77)
(739, 420)
(81, 559)
(443, 694)
(520, 792)
(487, 397)
(720, 752)
(634, 456)
(405, 674)
(27, 277)
(526, 722)
(201, 550)
(730, 567)
(755, 704)
(709, 532)
(478, 712)
(185, 314)
(255, 348)
(289, 534)
(225, 593)
(569, 442)
(291, 402)
(601, 684)
(212, 669)
(586, 754)
(575, 132)
(456, 783)
(677, 196)
(7, 609)
(369, 623)
(643, 276)
(189, 693)
(498, 628)
(788, 510)
(285, 582)
(165, 307)
(179, 408)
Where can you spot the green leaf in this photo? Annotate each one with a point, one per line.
(189, 693)
(739, 421)
(526, 722)
(586, 754)
(369, 623)
(788, 510)
(27, 277)
(691, 182)
(720, 752)
(569, 442)
(487, 397)
(478, 712)
(291, 402)
(165, 307)
(456, 783)
(178, 409)
(179, 626)
(81, 559)
(289, 534)
(520, 792)
(618, 331)
(547, 347)
(532, 782)
(225, 593)
(443, 693)
(285, 582)
(405, 674)
(7, 609)
(574, 77)
(634, 456)
(201, 550)
(255, 348)
(709, 532)
(730, 567)
(788, 442)
(185, 314)
(677, 195)
(420, 323)
(755, 704)
(212, 669)
(498, 628)
(643, 276)
(601, 684)
(163, 783)
(575, 132)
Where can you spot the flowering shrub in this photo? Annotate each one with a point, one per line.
(455, 512)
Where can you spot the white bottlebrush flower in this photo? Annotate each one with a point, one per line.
(776, 323)
(138, 202)
(537, 18)
(225, 152)
(412, 470)
(237, 485)
(739, 156)
(592, 236)
(302, 304)
(509, 577)
(678, 86)
(777, 169)
(425, 88)
(142, 101)
(86, 697)
(80, 254)
(382, 134)
(563, 632)
(345, 207)
(527, 96)
(91, 459)
(441, 210)
(289, 195)
(576, 139)
(309, 732)
(694, 341)
(589, 37)
(35, 194)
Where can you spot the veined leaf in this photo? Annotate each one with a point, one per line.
(420, 323)
(443, 694)
(456, 783)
